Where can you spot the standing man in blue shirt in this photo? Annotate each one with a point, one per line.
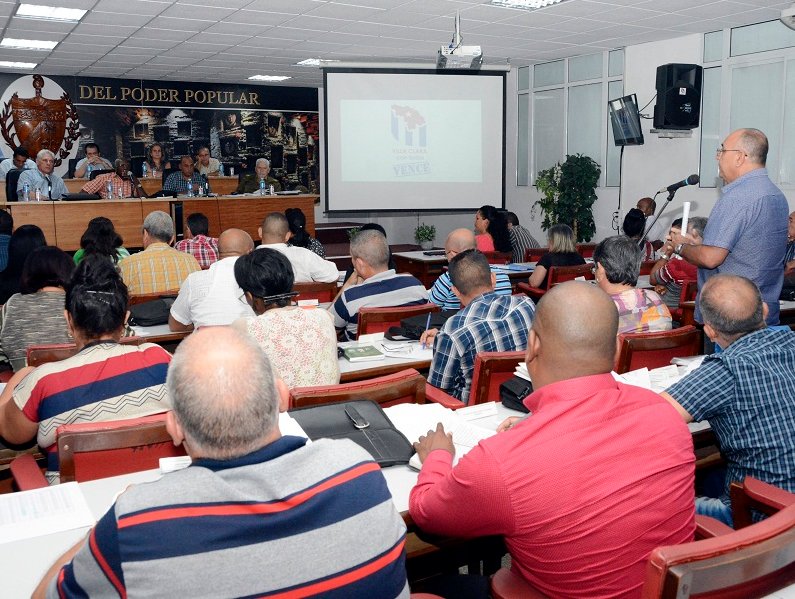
(746, 234)
(50, 185)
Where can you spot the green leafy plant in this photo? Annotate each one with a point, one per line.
(569, 192)
(353, 231)
(425, 232)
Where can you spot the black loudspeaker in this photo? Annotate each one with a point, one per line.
(678, 96)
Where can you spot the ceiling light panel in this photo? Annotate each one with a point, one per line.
(50, 13)
(21, 44)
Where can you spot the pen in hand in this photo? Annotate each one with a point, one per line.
(427, 324)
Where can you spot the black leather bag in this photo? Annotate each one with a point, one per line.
(362, 421)
(152, 313)
(513, 392)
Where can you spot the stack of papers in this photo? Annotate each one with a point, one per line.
(410, 350)
(521, 371)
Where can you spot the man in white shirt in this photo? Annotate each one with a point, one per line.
(212, 297)
(205, 164)
(307, 265)
(20, 160)
(94, 160)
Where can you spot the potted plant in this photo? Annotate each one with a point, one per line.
(569, 192)
(425, 234)
(353, 231)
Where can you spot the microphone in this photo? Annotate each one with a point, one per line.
(691, 180)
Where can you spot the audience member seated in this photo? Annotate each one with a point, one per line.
(585, 487)
(197, 241)
(670, 272)
(212, 297)
(634, 227)
(296, 220)
(488, 323)
(6, 229)
(373, 284)
(746, 392)
(50, 185)
(372, 227)
(158, 267)
(206, 165)
(441, 294)
(93, 161)
(35, 315)
(789, 255)
(562, 252)
(278, 516)
(122, 185)
(186, 179)
(20, 160)
(156, 161)
(103, 381)
(492, 230)
(307, 265)
(616, 269)
(23, 241)
(250, 181)
(101, 238)
(521, 239)
(655, 234)
(300, 343)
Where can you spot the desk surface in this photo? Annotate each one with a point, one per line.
(357, 371)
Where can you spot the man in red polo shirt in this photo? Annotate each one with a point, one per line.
(584, 488)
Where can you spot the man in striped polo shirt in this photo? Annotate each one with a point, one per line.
(256, 514)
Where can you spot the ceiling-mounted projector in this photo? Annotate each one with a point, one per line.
(456, 56)
(788, 17)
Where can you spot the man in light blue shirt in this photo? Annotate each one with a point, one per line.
(20, 160)
(50, 185)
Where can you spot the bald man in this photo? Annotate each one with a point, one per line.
(212, 297)
(441, 294)
(307, 265)
(746, 233)
(255, 514)
(584, 488)
(746, 392)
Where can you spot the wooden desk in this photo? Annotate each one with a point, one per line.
(426, 268)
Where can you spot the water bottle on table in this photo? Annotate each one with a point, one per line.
(190, 190)
(88, 170)
(144, 170)
(262, 189)
(221, 170)
(109, 190)
(38, 194)
(26, 192)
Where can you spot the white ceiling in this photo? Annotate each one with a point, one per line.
(229, 40)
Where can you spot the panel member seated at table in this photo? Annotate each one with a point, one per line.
(670, 273)
(616, 269)
(20, 160)
(562, 252)
(255, 501)
(488, 322)
(307, 265)
(186, 178)
(103, 381)
(122, 184)
(441, 294)
(50, 185)
(373, 284)
(585, 487)
(212, 297)
(158, 267)
(301, 343)
(250, 181)
(93, 161)
(156, 161)
(205, 164)
(746, 392)
(197, 240)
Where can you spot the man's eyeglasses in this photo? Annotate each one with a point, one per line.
(721, 150)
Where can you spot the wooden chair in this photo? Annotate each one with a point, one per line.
(322, 292)
(754, 495)
(377, 320)
(406, 386)
(687, 294)
(491, 370)
(557, 274)
(148, 297)
(646, 266)
(42, 354)
(498, 257)
(534, 254)
(26, 473)
(654, 350)
(586, 249)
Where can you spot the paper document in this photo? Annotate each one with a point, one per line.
(411, 350)
(45, 511)
(289, 426)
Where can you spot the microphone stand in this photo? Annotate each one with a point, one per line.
(671, 195)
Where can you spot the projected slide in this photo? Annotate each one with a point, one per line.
(397, 141)
(413, 140)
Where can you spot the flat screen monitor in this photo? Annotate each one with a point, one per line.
(625, 118)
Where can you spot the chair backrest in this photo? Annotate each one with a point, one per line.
(646, 266)
(498, 257)
(91, 450)
(148, 297)
(754, 495)
(378, 320)
(322, 292)
(12, 178)
(561, 274)
(42, 354)
(534, 254)
(689, 291)
(751, 562)
(99, 171)
(491, 370)
(654, 350)
(406, 386)
(586, 249)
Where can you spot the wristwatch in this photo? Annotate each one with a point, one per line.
(678, 249)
